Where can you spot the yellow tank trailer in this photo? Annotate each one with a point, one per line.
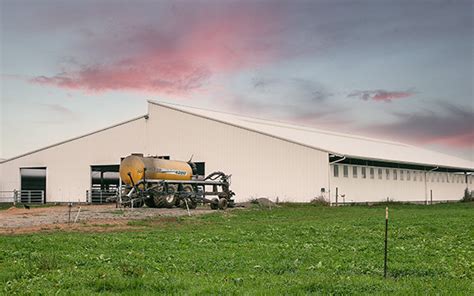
(166, 183)
(153, 168)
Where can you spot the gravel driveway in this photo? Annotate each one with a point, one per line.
(19, 220)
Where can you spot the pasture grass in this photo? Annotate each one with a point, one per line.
(294, 249)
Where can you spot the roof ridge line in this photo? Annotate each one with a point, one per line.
(313, 129)
(242, 127)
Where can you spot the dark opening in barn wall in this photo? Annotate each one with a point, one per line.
(201, 168)
(33, 184)
(389, 164)
(105, 182)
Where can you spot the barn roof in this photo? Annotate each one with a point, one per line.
(72, 139)
(347, 145)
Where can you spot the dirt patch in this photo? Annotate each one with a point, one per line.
(13, 210)
(91, 218)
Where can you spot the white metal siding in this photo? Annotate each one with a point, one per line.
(68, 164)
(375, 190)
(260, 165)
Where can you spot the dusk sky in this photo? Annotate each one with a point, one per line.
(398, 70)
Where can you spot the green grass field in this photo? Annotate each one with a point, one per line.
(294, 249)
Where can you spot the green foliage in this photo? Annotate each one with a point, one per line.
(320, 201)
(467, 196)
(295, 249)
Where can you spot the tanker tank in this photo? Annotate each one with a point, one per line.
(137, 167)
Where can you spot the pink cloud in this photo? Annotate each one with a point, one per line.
(388, 96)
(177, 60)
(139, 75)
(381, 95)
(461, 140)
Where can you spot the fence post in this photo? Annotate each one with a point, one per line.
(386, 244)
(15, 197)
(431, 196)
(336, 195)
(42, 196)
(29, 196)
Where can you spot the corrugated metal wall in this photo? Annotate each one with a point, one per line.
(68, 173)
(261, 166)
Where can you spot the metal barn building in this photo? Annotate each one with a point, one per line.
(266, 159)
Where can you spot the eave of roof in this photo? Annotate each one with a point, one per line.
(73, 139)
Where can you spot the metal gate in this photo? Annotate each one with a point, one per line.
(22, 196)
(99, 196)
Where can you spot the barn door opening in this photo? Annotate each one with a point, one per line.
(33, 185)
(201, 168)
(105, 182)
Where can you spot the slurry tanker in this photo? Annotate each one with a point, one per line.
(163, 183)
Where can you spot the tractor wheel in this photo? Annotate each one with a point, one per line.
(166, 200)
(192, 204)
(222, 203)
(138, 203)
(186, 188)
(214, 204)
(150, 202)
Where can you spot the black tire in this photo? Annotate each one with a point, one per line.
(162, 201)
(166, 200)
(222, 203)
(186, 188)
(192, 204)
(150, 202)
(138, 203)
(214, 204)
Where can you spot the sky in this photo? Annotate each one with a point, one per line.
(397, 70)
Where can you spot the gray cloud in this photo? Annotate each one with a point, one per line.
(311, 90)
(381, 95)
(59, 109)
(262, 83)
(450, 125)
(297, 100)
(299, 89)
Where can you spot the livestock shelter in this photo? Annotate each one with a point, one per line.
(276, 160)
